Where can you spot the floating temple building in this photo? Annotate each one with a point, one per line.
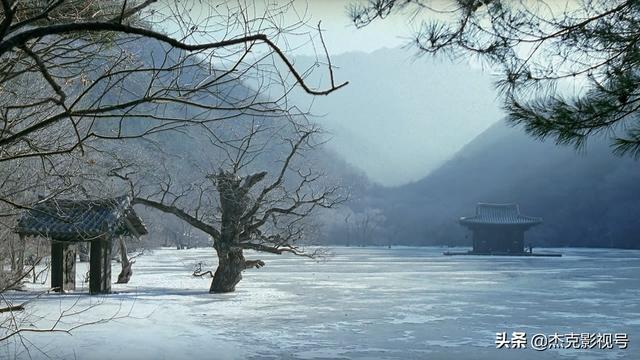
(499, 229)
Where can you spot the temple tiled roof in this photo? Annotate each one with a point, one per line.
(499, 214)
(81, 220)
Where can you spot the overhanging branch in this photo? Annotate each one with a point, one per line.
(191, 220)
(22, 38)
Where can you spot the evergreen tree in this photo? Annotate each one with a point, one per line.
(538, 48)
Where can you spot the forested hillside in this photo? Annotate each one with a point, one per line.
(587, 198)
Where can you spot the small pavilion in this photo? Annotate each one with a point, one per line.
(67, 222)
(498, 229)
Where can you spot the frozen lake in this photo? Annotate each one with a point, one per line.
(361, 303)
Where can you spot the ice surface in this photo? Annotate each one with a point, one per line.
(361, 303)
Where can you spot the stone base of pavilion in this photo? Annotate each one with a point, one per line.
(471, 252)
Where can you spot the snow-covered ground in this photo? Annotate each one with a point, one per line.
(361, 303)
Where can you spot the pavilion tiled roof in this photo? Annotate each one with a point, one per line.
(81, 220)
(499, 214)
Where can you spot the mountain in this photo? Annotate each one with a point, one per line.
(184, 155)
(586, 198)
(400, 117)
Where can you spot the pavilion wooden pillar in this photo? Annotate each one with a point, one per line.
(63, 266)
(100, 266)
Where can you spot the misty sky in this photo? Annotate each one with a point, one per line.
(401, 116)
(342, 36)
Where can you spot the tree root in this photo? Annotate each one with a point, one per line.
(253, 263)
(198, 271)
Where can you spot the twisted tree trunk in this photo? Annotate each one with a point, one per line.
(127, 271)
(231, 263)
(233, 203)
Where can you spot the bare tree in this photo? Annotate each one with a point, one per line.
(76, 74)
(88, 81)
(237, 211)
(126, 260)
(364, 226)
